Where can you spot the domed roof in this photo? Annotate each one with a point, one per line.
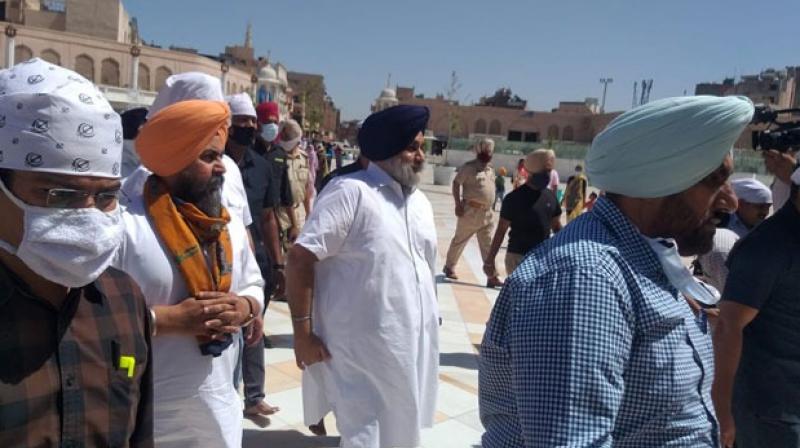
(267, 73)
(388, 94)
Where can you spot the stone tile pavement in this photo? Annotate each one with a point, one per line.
(465, 306)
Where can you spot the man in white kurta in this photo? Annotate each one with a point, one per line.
(374, 302)
(195, 401)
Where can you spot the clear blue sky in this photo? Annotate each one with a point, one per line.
(545, 51)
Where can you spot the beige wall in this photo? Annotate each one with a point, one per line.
(499, 121)
(46, 19)
(98, 18)
(68, 46)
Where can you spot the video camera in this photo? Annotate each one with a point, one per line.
(782, 137)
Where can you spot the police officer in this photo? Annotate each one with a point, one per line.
(474, 193)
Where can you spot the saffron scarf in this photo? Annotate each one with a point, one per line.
(185, 230)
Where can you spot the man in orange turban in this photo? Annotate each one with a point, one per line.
(193, 262)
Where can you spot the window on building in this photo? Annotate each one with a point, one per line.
(514, 136)
(480, 126)
(144, 77)
(531, 137)
(568, 134)
(51, 56)
(22, 53)
(54, 5)
(495, 128)
(109, 72)
(84, 66)
(162, 73)
(552, 132)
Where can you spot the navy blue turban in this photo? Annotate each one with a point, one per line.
(386, 133)
(132, 120)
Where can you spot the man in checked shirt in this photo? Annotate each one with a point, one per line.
(597, 339)
(74, 333)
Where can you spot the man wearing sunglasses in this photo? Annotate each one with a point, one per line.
(74, 333)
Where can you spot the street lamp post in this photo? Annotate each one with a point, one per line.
(605, 82)
(224, 67)
(135, 52)
(11, 34)
(254, 86)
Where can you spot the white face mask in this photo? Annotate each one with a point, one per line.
(289, 145)
(69, 247)
(269, 132)
(678, 274)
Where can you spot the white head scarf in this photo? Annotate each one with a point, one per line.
(241, 104)
(187, 86)
(666, 146)
(752, 191)
(55, 120)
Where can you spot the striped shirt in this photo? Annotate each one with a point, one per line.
(589, 345)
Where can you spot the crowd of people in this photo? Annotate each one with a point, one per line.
(139, 253)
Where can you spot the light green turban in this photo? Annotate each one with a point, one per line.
(666, 146)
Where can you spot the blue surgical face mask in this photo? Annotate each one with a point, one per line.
(269, 132)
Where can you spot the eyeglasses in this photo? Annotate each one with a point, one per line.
(68, 198)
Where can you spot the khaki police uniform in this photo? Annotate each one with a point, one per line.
(477, 192)
(298, 167)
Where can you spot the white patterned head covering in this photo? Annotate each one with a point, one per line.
(55, 120)
(186, 86)
(241, 104)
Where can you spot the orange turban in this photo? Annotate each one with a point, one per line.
(174, 138)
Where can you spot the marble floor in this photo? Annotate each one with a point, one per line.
(465, 306)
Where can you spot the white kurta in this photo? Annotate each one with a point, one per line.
(195, 402)
(375, 309)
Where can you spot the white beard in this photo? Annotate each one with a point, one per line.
(403, 173)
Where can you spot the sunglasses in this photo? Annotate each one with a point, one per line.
(68, 198)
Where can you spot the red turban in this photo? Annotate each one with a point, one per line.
(268, 112)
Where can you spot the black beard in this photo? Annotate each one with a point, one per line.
(207, 197)
(694, 235)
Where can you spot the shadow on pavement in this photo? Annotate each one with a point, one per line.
(288, 438)
(281, 341)
(441, 279)
(463, 360)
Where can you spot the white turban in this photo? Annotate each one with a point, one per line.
(55, 120)
(485, 145)
(666, 146)
(241, 104)
(752, 191)
(187, 86)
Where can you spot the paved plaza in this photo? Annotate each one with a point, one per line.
(464, 305)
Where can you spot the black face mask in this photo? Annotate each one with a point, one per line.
(541, 180)
(243, 136)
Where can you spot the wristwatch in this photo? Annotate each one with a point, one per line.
(278, 266)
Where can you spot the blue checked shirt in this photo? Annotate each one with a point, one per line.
(588, 345)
